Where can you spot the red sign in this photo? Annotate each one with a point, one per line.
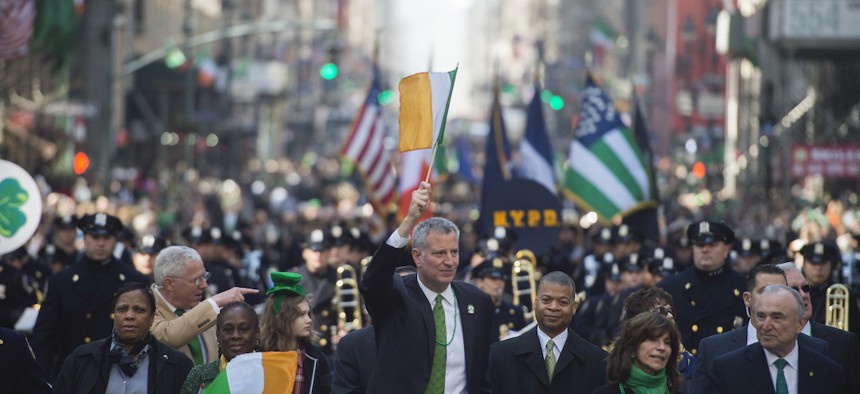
(831, 161)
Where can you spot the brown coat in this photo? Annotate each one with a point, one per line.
(177, 331)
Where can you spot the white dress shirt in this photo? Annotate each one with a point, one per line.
(558, 342)
(455, 366)
(790, 369)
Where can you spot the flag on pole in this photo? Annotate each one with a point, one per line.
(16, 27)
(498, 152)
(535, 149)
(252, 373)
(424, 101)
(605, 171)
(602, 38)
(364, 147)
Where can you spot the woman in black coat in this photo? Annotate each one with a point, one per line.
(131, 359)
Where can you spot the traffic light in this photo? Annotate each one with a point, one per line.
(699, 170)
(80, 163)
(328, 71)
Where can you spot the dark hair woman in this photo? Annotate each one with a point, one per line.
(130, 360)
(657, 300)
(641, 361)
(238, 331)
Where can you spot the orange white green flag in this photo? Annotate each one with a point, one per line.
(424, 101)
(252, 373)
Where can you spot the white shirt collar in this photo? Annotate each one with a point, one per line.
(751, 334)
(447, 294)
(558, 342)
(807, 329)
(791, 357)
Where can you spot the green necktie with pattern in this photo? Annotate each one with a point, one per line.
(440, 356)
(550, 358)
(781, 384)
(194, 345)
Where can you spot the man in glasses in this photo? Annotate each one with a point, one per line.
(707, 294)
(182, 321)
(842, 346)
(78, 306)
(710, 348)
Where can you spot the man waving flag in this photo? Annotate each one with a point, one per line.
(605, 171)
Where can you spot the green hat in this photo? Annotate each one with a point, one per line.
(285, 283)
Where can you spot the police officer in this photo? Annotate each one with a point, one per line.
(61, 251)
(490, 277)
(201, 240)
(318, 278)
(79, 302)
(627, 241)
(144, 256)
(18, 289)
(595, 273)
(708, 295)
(746, 255)
(819, 260)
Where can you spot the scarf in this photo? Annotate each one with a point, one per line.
(128, 361)
(642, 383)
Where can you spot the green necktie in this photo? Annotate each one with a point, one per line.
(194, 345)
(781, 384)
(440, 356)
(550, 358)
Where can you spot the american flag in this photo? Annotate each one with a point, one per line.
(364, 147)
(16, 27)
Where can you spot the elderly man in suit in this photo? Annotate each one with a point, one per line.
(842, 346)
(777, 363)
(549, 358)
(433, 334)
(182, 321)
(714, 346)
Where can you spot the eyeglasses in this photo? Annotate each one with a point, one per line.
(805, 288)
(664, 310)
(197, 280)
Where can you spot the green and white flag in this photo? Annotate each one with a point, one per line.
(605, 171)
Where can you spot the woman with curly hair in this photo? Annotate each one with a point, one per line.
(641, 361)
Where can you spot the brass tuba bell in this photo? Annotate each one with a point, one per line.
(837, 306)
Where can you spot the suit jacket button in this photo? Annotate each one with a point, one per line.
(719, 329)
(88, 316)
(693, 303)
(695, 328)
(87, 340)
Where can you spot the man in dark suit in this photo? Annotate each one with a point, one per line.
(19, 371)
(78, 306)
(777, 363)
(414, 356)
(354, 362)
(549, 358)
(714, 346)
(842, 346)
(707, 294)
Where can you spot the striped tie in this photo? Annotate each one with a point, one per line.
(550, 358)
(440, 356)
(194, 345)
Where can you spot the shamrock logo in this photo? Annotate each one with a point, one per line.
(12, 197)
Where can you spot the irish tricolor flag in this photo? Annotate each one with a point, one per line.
(424, 100)
(252, 373)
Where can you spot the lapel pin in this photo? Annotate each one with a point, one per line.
(471, 309)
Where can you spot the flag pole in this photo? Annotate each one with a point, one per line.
(442, 127)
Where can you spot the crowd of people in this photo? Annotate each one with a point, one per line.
(703, 311)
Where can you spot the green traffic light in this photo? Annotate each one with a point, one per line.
(546, 95)
(385, 97)
(328, 71)
(556, 103)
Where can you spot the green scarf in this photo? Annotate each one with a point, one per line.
(642, 383)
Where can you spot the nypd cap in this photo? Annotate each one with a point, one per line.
(100, 224)
(820, 252)
(706, 232)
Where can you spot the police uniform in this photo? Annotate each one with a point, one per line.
(707, 303)
(52, 254)
(197, 237)
(507, 317)
(18, 290)
(320, 288)
(817, 253)
(78, 307)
